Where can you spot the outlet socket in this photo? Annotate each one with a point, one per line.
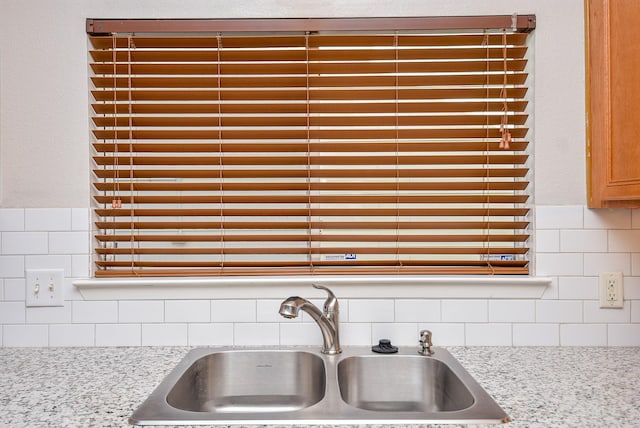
(44, 287)
(611, 290)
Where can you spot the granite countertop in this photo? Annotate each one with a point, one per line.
(537, 387)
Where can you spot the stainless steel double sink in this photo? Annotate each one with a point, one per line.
(224, 386)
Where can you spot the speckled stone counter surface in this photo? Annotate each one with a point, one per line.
(538, 387)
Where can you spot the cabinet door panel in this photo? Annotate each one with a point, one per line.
(613, 66)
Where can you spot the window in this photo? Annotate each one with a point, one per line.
(257, 147)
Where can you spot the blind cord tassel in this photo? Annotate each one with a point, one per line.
(505, 140)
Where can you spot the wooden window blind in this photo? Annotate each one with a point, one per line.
(296, 152)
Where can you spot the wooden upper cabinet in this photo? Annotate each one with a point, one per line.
(613, 103)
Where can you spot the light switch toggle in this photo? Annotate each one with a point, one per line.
(46, 286)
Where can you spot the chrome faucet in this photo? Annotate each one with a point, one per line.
(425, 343)
(327, 320)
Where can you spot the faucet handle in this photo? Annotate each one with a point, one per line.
(331, 304)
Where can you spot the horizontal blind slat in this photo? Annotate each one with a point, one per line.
(127, 186)
(171, 68)
(204, 82)
(301, 107)
(352, 146)
(319, 173)
(299, 94)
(488, 53)
(267, 41)
(301, 121)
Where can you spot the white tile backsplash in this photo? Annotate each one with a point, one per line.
(245, 334)
(585, 241)
(635, 219)
(552, 290)
(12, 312)
(210, 334)
(399, 333)
(631, 287)
(187, 311)
(583, 335)
(560, 264)
(594, 314)
(164, 334)
(141, 311)
(371, 310)
(118, 335)
(559, 217)
(68, 242)
(635, 264)
(594, 263)
(268, 311)
(417, 310)
(559, 311)
(623, 334)
(94, 312)
(11, 219)
(53, 261)
(80, 266)
(72, 335)
(635, 311)
(355, 334)
(578, 288)
(49, 315)
(233, 311)
(624, 241)
(47, 219)
(536, 334)
(25, 243)
(607, 218)
(573, 244)
(512, 311)
(80, 219)
(465, 311)
(12, 266)
(302, 333)
(547, 241)
(70, 291)
(489, 334)
(14, 289)
(25, 335)
(445, 334)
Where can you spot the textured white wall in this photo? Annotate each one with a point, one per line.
(44, 129)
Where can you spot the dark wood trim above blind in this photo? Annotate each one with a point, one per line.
(516, 23)
(256, 147)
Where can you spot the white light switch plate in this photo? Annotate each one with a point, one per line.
(44, 287)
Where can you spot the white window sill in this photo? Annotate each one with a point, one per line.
(348, 287)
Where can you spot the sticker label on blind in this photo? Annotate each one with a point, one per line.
(339, 257)
(500, 257)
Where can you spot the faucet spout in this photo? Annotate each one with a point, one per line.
(327, 319)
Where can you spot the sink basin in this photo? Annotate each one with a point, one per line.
(401, 384)
(250, 381)
(299, 385)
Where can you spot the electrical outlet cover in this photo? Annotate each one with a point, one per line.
(44, 287)
(611, 290)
